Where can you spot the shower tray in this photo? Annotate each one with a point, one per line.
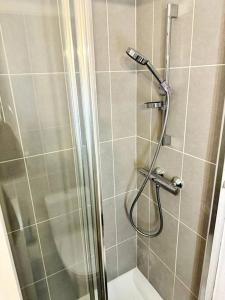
(131, 286)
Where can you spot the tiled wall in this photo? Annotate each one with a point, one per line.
(114, 31)
(172, 262)
(37, 172)
(37, 159)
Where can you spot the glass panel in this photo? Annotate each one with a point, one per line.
(47, 199)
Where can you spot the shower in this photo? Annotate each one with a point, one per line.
(155, 175)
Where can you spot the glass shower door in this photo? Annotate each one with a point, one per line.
(48, 167)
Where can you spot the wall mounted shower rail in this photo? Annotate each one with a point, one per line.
(172, 13)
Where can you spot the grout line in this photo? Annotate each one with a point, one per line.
(178, 220)
(35, 155)
(179, 151)
(118, 139)
(183, 150)
(158, 69)
(33, 73)
(120, 194)
(112, 71)
(46, 220)
(176, 277)
(111, 117)
(120, 243)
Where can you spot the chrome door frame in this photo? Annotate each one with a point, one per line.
(86, 59)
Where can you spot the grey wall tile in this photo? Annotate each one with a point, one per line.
(124, 228)
(3, 62)
(142, 257)
(190, 258)
(54, 139)
(27, 255)
(111, 263)
(51, 100)
(144, 87)
(107, 178)
(208, 33)
(104, 106)
(181, 292)
(24, 95)
(10, 147)
(109, 213)
(196, 196)
(124, 86)
(181, 33)
(100, 28)
(206, 99)
(44, 43)
(160, 277)
(165, 244)
(16, 204)
(53, 184)
(143, 161)
(143, 216)
(124, 165)
(144, 27)
(12, 170)
(126, 256)
(14, 35)
(37, 291)
(67, 285)
(121, 37)
(36, 166)
(40, 192)
(32, 142)
(61, 242)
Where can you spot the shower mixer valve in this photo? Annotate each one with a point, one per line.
(157, 176)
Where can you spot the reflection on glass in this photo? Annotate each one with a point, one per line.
(38, 177)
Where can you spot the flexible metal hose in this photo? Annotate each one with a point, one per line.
(130, 214)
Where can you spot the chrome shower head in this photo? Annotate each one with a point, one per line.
(138, 57)
(142, 60)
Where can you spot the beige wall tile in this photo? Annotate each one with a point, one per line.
(107, 170)
(124, 165)
(145, 28)
(100, 28)
(121, 33)
(208, 32)
(144, 88)
(206, 98)
(181, 33)
(104, 106)
(124, 87)
(181, 292)
(126, 256)
(165, 244)
(160, 277)
(196, 196)
(190, 258)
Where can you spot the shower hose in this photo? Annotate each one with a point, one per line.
(155, 233)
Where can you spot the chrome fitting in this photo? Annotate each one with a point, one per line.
(155, 104)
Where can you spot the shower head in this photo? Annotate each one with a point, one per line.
(142, 60)
(138, 57)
